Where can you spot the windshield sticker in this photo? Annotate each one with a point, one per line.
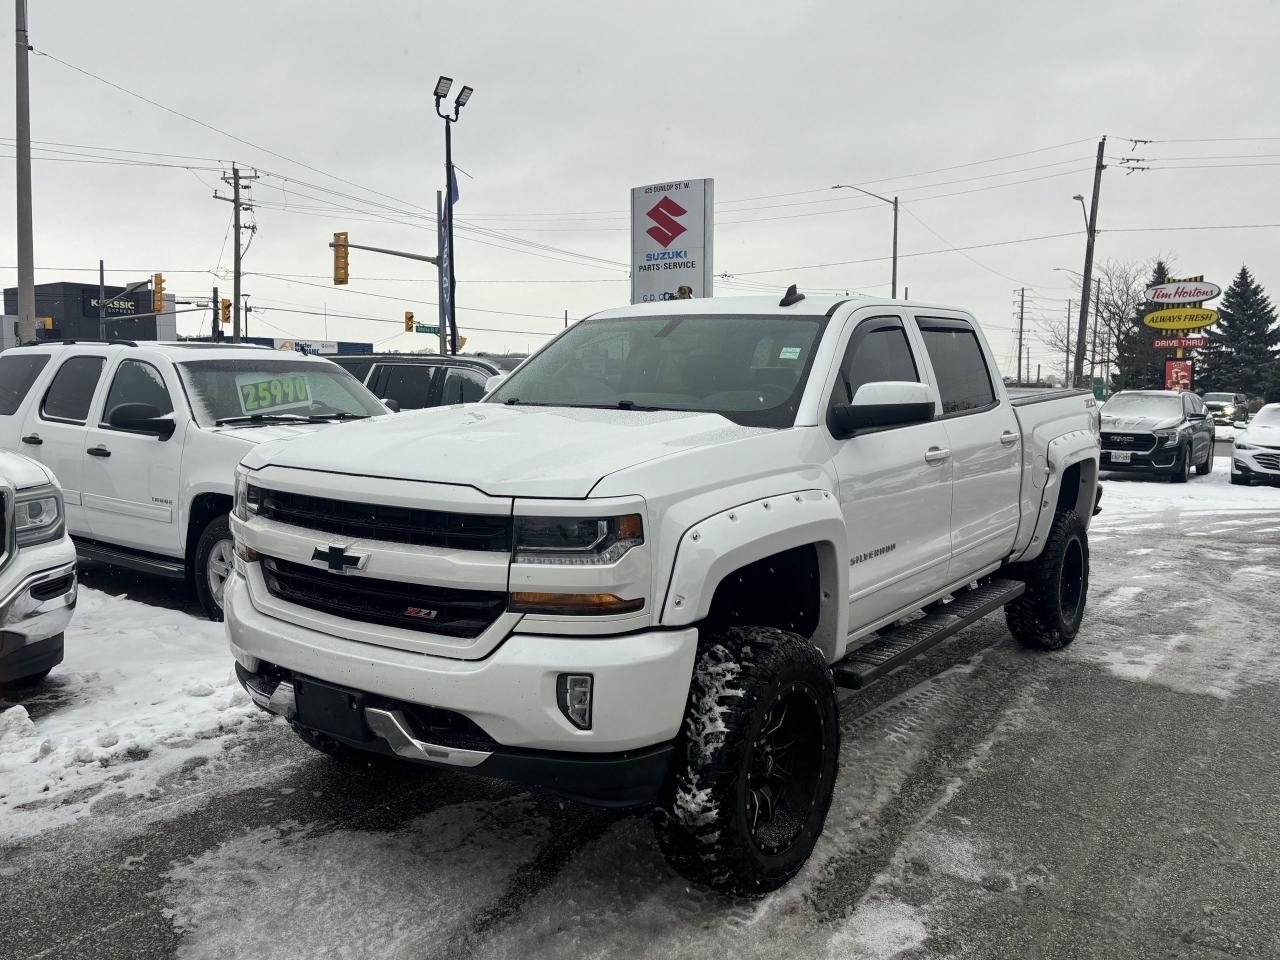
(789, 353)
(259, 394)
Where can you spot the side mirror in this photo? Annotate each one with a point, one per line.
(141, 418)
(1196, 416)
(494, 382)
(889, 403)
(391, 405)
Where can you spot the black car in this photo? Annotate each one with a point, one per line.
(1227, 409)
(415, 380)
(1158, 431)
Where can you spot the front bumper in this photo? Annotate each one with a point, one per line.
(1160, 460)
(1260, 466)
(640, 688)
(35, 608)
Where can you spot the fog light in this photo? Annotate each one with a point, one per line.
(573, 696)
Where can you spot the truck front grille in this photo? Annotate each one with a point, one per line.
(440, 610)
(420, 528)
(1137, 442)
(5, 506)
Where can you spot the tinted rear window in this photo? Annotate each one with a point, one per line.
(961, 369)
(408, 384)
(72, 389)
(18, 371)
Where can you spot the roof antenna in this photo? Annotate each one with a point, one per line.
(791, 297)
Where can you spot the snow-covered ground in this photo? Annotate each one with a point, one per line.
(142, 691)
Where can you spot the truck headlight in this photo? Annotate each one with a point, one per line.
(37, 516)
(248, 498)
(576, 541)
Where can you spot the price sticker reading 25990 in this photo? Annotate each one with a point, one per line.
(273, 393)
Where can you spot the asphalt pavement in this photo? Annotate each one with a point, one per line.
(1114, 800)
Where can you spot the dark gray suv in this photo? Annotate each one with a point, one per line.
(1157, 431)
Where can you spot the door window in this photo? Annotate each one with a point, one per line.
(71, 392)
(137, 382)
(963, 378)
(408, 384)
(463, 386)
(18, 371)
(877, 351)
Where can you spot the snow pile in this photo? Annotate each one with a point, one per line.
(142, 691)
(1130, 496)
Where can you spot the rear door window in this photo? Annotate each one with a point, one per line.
(408, 384)
(72, 389)
(463, 386)
(18, 371)
(959, 366)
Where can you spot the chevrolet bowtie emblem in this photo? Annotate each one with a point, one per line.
(336, 557)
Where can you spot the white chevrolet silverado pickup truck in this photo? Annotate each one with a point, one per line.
(638, 570)
(145, 438)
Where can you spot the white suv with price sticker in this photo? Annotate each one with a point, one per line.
(144, 439)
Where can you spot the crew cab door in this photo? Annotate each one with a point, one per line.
(894, 484)
(985, 443)
(54, 431)
(131, 479)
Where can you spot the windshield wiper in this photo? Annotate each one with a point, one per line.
(255, 419)
(322, 417)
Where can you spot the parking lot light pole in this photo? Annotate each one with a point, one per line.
(893, 293)
(442, 91)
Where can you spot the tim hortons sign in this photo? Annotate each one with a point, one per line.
(1183, 291)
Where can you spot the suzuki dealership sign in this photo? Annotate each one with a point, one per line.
(671, 228)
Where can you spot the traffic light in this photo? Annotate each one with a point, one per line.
(226, 310)
(408, 321)
(340, 258)
(157, 293)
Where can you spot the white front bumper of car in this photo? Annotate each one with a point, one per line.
(640, 679)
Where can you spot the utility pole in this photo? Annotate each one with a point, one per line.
(893, 289)
(26, 254)
(214, 303)
(1022, 310)
(1087, 279)
(441, 280)
(234, 181)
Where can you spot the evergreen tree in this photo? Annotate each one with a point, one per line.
(1139, 366)
(1242, 346)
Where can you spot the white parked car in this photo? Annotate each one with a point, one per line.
(144, 439)
(1255, 455)
(637, 570)
(37, 571)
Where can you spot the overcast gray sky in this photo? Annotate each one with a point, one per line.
(578, 102)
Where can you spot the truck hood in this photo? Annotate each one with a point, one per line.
(1138, 424)
(559, 452)
(22, 472)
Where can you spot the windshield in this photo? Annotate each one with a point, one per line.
(1268, 416)
(1219, 397)
(1149, 405)
(262, 389)
(750, 369)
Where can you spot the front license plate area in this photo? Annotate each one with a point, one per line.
(1121, 456)
(336, 711)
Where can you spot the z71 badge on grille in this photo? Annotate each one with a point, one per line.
(420, 613)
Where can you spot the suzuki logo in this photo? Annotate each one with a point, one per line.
(667, 227)
(335, 556)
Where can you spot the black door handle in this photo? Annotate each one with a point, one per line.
(33, 439)
(98, 451)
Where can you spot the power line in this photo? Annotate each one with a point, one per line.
(922, 253)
